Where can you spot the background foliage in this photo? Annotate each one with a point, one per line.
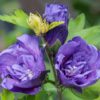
(84, 21)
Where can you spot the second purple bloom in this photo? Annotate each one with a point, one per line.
(78, 63)
(56, 12)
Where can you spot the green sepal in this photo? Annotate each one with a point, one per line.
(55, 46)
(55, 24)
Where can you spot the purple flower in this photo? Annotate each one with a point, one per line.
(56, 12)
(78, 64)
(22, 67)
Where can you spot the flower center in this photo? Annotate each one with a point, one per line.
(76, 63)
(72, 68)
(27, 75)
(20, 72)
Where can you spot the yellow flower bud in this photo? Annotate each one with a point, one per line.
(44, 27)
(37, 24)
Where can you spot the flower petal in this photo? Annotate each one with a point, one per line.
(68, 49)
(56, 12)
(7, 59)
(29, 42)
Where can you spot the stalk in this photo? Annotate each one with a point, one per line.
(51, 60)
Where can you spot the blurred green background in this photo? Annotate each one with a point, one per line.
(91, 8)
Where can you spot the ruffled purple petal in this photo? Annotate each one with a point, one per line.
(68, 49)
(36, 65)
(56, 12)
(93, 56)
(83, 44)
(84, 82)
(98, 74)
(30, 91)
(97, 63)
(8, 83)
(7, 59)
(64, 80)
(14, 86)
(30, 43)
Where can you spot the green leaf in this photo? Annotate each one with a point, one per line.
(27, 97)
(19, 96)
(51, 91)
(7, 95)
(68, 95)
(10, 38)
(98, 98)
(18, 18)
(49, 87)
(89, 93)
(42, 95)
(49, 67)
(77, 24)
(55, 24)
(91, 35)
